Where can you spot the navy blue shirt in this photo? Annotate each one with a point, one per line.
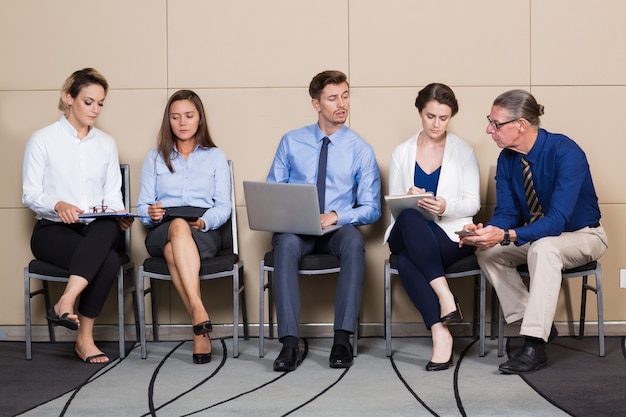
(563, 184)
(426, 181)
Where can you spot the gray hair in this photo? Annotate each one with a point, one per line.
(520, 104)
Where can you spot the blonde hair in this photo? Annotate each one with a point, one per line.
(75, 82)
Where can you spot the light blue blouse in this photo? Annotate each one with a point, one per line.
(203, 180)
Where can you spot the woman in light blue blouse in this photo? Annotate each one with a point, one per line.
(186, 169)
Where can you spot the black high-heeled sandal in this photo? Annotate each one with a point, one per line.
(454, 316)
(201, 358)
(434, 366)
(202, 328)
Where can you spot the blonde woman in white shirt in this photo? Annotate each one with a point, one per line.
(69, 168)
(440, 162)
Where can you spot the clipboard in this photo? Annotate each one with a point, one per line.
(107, 214)
(400, 202)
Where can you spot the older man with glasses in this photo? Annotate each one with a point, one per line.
(546, 216)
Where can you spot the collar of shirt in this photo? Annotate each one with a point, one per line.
(67, 126)
(535, 152)
(334, 138)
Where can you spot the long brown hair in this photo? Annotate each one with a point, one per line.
(166, 139)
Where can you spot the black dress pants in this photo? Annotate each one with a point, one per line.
(86, 250)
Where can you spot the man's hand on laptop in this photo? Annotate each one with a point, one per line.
(328, 219)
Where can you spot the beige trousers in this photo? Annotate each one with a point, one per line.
(546, 258)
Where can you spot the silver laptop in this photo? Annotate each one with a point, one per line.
(284, 208)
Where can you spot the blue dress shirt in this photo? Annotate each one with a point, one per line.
(203, 180)
(352, 176)
(563, 185)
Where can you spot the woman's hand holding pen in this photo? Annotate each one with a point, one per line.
(156, 211)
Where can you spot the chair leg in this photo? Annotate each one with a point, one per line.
(494, 312)
(236, 312)
(476, 307)
(270, 303)
(133, 293)
(482, 324)
(120, 311)
(141, 294)
(46, 296)
(244, 309)
(500, 332)
(600, 311)
(583, 306)
(155, 321)
(27, 330)
(387, 304)
(261, 310)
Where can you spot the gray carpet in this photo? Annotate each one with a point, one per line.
(169, 384)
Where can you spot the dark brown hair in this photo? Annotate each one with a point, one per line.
(166, 139)
(324, 78)
(440, 93)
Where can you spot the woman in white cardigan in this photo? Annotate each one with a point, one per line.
(440, 162)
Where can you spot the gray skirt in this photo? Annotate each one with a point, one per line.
(208, 242)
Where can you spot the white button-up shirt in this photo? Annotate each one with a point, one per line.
(58, 166)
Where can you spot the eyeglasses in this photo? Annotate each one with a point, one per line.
(100, 209)
(497, 125)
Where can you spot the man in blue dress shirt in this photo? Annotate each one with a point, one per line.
(351, 198)
(546, 216)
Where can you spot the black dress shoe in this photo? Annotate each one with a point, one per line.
(553, 333)
(200, 358)
(453, 317)
(288, 359)
(528, 360)
(434, 366)
(202, 328)
(340, 356)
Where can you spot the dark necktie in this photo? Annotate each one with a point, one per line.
(536, 212)
(321, 174)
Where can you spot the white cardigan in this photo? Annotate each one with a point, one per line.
(459, 181)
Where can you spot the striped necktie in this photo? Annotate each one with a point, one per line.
(536, 212)
(321, 174)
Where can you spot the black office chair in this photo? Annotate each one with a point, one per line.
(225, 264)
(46, 272)
(466, 267)
(314, 264)
(592, 268)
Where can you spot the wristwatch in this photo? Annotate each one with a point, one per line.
(507, 239)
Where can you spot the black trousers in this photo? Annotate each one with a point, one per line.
(86, 250)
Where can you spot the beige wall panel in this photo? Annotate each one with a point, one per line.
(21, 113)
(42, 42)
(14, 256)
(247, 43)
(614, 222)
(398, 42)
(249, 123)
(386, 117)
(578, 42)
(587, 114)
(133, 118)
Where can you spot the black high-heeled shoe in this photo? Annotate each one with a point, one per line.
(434, 366)
(201, 358)
(202, 328)
(454, 316)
